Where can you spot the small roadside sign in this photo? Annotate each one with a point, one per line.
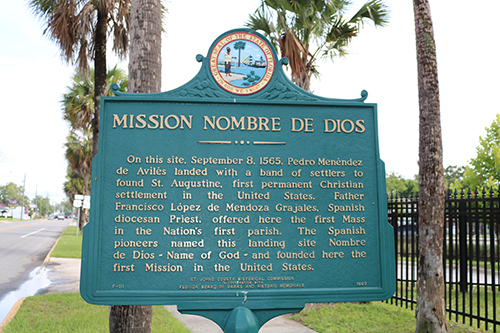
(86, 201)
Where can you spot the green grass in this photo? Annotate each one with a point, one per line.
(56, 313)
(468, 302)
(70, 313)
(69, 245)
(372, 317)
(8, 219)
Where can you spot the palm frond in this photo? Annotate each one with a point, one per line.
(258, 22)
(299, 23)
(341, 31)
(374, 10)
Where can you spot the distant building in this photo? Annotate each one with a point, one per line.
(4, 210)
(19, 212)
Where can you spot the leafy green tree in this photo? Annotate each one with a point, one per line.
(453, 176)
(484, 169)
(397, 185)
(305, 30)
(12, 191)
(80, 29)
(44, 208)
(67, 206)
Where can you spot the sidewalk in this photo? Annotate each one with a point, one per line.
(64, 273)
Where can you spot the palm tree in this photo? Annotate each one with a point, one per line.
(73, 184)
(78, 110)
(79, 156)
(294, 26)
(80, 29)
(430, 312)
(78, 102)
(239, 45)
(145, 77)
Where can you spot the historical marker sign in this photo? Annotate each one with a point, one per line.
(237, 189)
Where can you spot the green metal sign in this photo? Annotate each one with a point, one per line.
(238, 189)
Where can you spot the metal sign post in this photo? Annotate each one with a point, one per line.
(77, 203)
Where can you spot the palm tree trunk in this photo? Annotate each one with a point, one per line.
(145, 47)
(99, 73)
(144, 77)
(130, 319)
(302, 79)
(83, 211)
(430, 312)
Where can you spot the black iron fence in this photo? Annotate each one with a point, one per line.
(471, 255)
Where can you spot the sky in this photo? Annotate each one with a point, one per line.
(381, 61)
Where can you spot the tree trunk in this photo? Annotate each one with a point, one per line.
(430, 312)
(83, 212)
(145, 47)
(81, 219)
(100, 73)
(302, 79)
(144, 77)
(130, 319)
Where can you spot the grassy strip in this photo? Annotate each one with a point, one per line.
(372, 317)
(69, 245)
(473, 301)
(8, 219)
(70, 313)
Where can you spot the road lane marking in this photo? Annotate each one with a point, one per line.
(24, 225)
(32, 233)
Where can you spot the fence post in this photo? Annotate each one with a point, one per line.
(462, 243)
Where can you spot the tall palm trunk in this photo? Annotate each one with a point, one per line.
(430, 312)
(144, 77)
(302, 79)
(145, 47)
(99, 73)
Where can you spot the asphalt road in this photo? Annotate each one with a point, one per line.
(23, 247)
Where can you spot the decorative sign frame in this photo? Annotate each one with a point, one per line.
(253, 195)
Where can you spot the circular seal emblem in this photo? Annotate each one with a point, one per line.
(242, 63)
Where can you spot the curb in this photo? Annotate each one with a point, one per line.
(47, 257)
(11, 314)
(18, 304)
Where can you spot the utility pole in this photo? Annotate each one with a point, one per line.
(36, 200)
(22, 198)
